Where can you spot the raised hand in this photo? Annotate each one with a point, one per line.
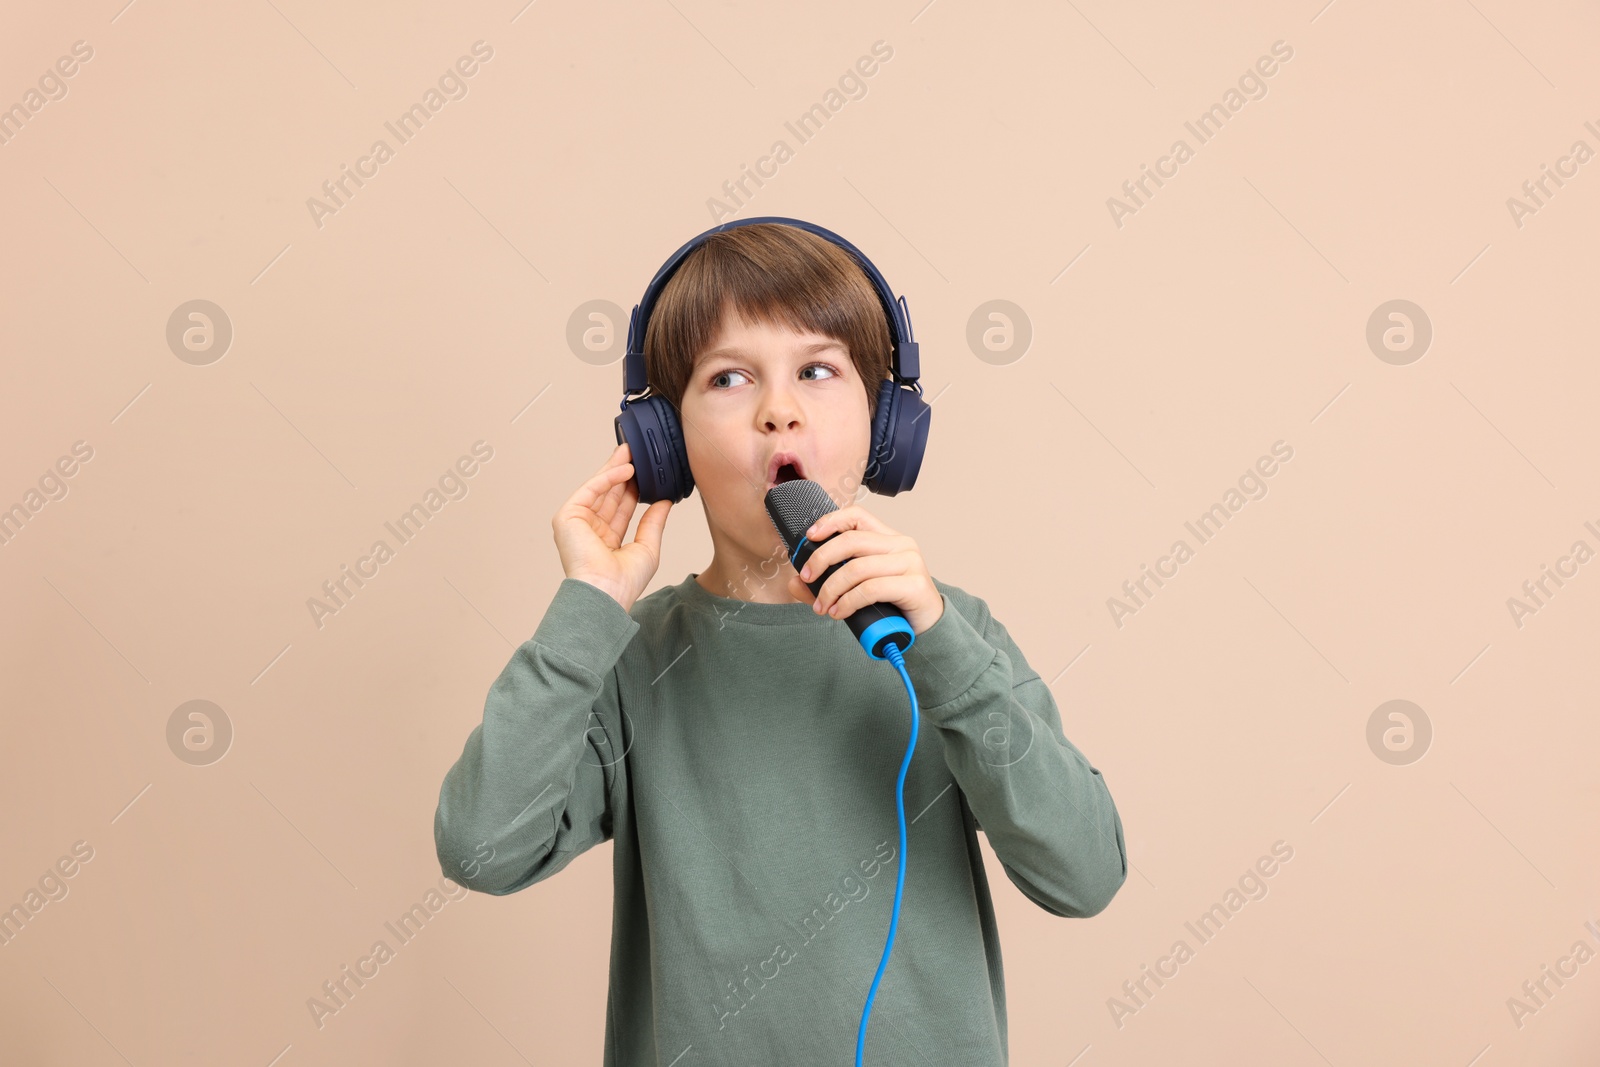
(589, 531)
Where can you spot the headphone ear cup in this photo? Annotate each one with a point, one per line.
(655, 447)
(677, 451)
(899, 439)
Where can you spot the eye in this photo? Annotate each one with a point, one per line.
(722, 374)
(832, 371)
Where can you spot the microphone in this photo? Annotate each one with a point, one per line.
(793, 506)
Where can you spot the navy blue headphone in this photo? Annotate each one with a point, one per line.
(650, 426)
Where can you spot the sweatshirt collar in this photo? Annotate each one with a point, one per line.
(729, 609)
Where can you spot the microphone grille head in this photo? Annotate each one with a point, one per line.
(794, 505)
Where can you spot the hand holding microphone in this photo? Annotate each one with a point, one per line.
(852, 563)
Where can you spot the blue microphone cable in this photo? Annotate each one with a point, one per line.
(893, 654)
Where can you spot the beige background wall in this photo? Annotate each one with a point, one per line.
(217, 487)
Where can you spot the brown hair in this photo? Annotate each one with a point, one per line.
(773, 273)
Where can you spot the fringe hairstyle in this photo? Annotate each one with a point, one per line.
(773, 273)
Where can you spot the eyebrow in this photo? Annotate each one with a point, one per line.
(735, 352)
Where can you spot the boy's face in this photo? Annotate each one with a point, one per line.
(759, 390)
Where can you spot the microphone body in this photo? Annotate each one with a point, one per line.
(793, 506)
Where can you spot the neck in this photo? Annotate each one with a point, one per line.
(745, 576)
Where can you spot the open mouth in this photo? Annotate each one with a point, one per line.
(784, 467)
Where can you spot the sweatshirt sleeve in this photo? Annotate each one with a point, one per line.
(531, 789)
(1046, 810)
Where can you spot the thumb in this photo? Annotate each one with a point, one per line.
(800, 590)
(651, 524)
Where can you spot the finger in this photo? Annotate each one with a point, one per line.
(590, 492)
(822, 557)
(853, 517)
(627, 501)
(890, 589)
(800, 591)
(606, 477)
(825, 525)
(651, 525)
(856, 571)
(847, 544)
(616, 492)
(618, 456)
(608, 503)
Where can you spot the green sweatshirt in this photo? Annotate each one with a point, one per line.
(742, 757)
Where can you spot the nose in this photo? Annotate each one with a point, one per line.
(780, 409)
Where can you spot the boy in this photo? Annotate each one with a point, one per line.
(738, 745)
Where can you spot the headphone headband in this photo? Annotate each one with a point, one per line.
(904, 361)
